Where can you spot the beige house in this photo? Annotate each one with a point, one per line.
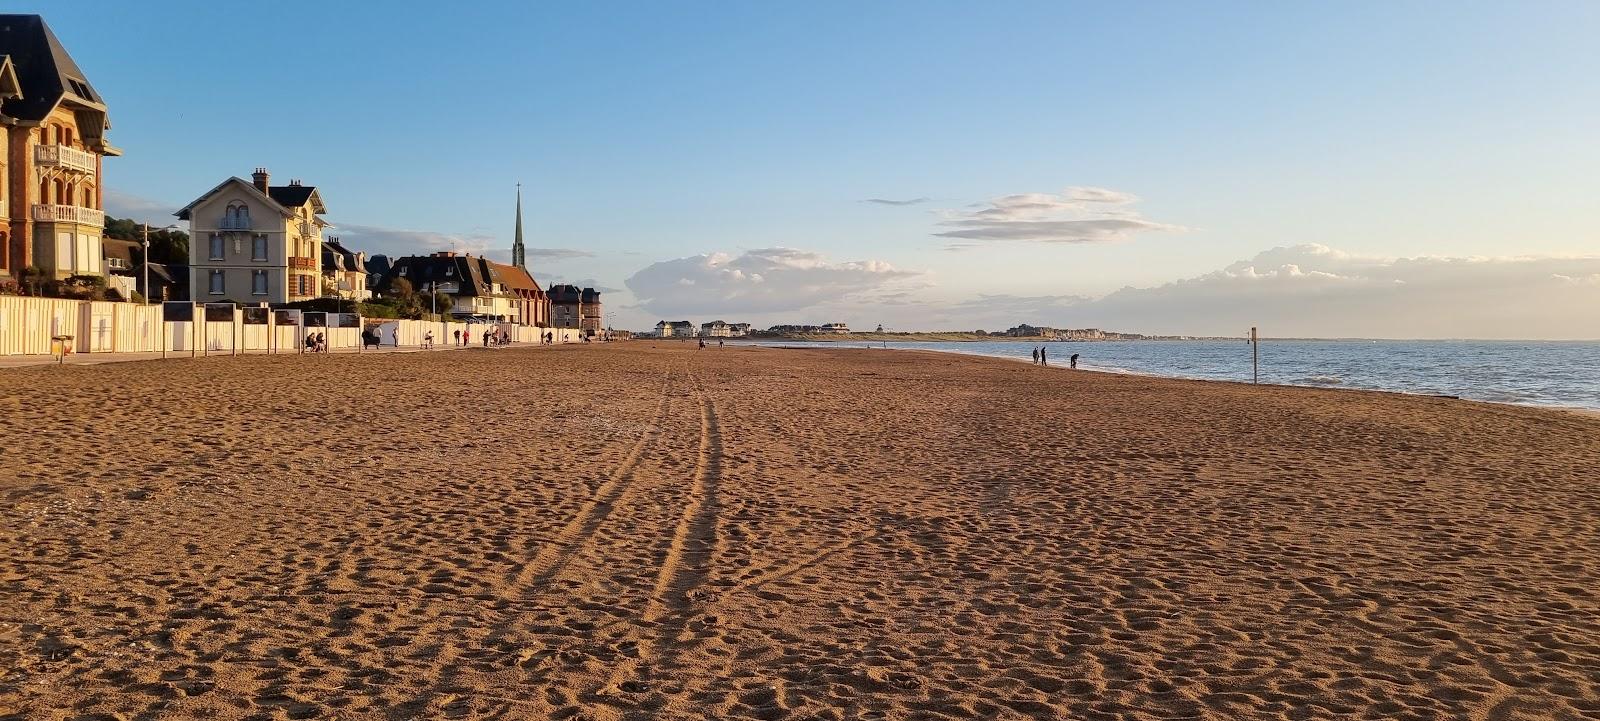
(253, 242)
(54, 124)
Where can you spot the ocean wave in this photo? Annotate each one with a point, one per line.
(1323, 380)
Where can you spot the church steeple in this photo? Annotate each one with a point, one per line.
(519, 254)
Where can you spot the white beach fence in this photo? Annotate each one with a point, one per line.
(28, 325)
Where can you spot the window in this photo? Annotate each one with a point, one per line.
(216, 247)
(258, 282)
(258, 248)
(216, 282)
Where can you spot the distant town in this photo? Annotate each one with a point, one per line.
(837, 331)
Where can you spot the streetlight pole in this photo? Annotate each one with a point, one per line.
(146, 263)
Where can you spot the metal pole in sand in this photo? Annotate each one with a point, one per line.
(1255, 357)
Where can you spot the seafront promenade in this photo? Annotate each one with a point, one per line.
(622, 531)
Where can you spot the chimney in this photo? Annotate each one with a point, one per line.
(262, 179)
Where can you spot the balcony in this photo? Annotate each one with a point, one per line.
(68, 214)
(61, 156)
(308, 230)
(301, 263)
(234, 223)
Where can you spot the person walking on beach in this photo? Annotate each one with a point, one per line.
(702, 342)
(1073, 361)
(457, 334)
(427, 340)
(1042, 359)
(1036, 355)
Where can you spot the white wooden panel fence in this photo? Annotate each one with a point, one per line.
(27, 324)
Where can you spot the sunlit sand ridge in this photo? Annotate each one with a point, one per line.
(633, 532)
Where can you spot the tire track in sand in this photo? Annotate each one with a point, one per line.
(687, 565)
(529, 579)
(573, 537)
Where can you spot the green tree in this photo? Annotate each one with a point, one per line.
(168, 247)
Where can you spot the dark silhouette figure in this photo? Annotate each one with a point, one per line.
(1036, 355)
(1073, 360)
(1042, 359)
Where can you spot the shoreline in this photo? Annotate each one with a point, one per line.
(1580, 410)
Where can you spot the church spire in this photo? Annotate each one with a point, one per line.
(519, 254)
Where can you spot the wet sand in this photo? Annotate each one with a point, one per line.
(631, 532)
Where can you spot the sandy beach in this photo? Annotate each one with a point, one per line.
(640, 532)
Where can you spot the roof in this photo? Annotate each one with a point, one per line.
(161, 273)
(591, 295)
(294, 196)
(565, 293)
(473, 274)
(515, 278)
(47, 72)
(336, 257)
(183, 213)
(114, 248)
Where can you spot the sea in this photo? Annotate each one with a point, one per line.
(1539, 373)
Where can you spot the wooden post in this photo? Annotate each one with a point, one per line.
(1255, 357)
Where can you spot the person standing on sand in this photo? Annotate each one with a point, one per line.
(1042, 359)
(1036, 355)
(1073, 361)
(702, 342)
(457, 334)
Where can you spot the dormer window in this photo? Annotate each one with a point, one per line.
(81, 89)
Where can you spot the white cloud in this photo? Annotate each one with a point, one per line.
(888, 201)
(766, 280)
(1315, 291)
(554, 255)
(1076, 215)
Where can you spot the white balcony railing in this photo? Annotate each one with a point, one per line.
(235, 222)
(308, 230)
(68, 214)
(64, 157)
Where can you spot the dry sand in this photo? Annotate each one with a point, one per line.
(638, 532)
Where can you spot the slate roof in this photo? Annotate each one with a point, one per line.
(564, 293)
(291, 196)
(45, 70)
(472, 274)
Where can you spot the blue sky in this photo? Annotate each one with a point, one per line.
(676, 143)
